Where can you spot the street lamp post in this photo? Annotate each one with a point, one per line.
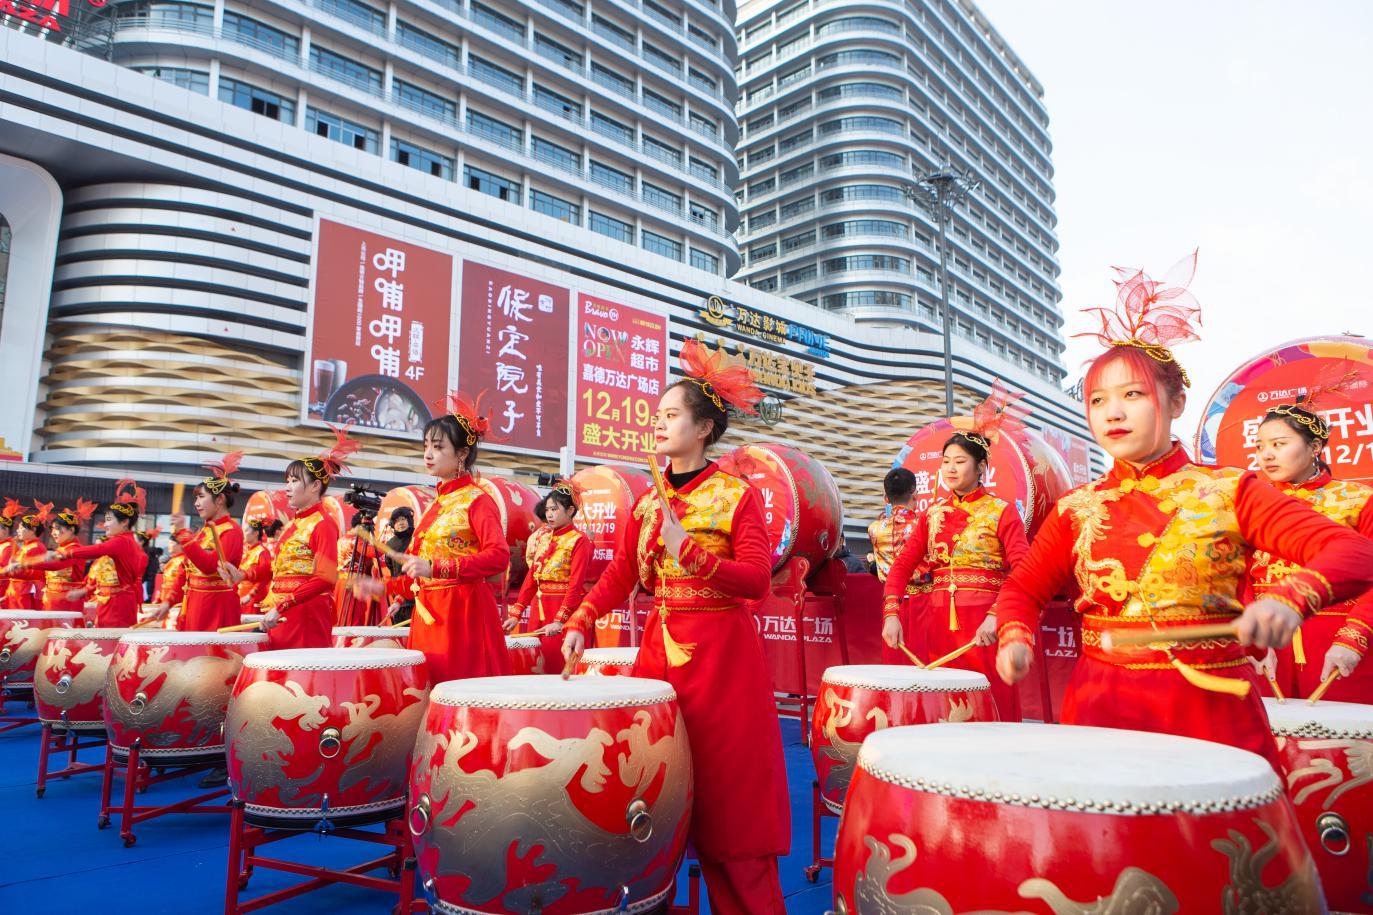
(938, 193)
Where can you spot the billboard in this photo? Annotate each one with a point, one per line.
(380, 322)
(621, 372)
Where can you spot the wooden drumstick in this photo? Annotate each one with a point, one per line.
(1127, 638)
(910, 654)
(146, 622)
(952, 656)
(241, 627)
(659, 483)
(366, 537)
(1325, 685)
(178, 493)
(1277, 690)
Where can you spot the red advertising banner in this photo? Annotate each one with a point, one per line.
(1230, 426)
(514, 348)
(1074, 450)
(379, 331)
(621, 371)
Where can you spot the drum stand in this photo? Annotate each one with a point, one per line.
(138, 775)
(693, 903)
(11, 694)
(818, 811)
(65, 740)
(245, 840)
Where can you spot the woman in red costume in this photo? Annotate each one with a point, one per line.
(888, 535)
(26, 578)
(65, 588)
(256, 565)
(1291, 439)
(971, 539)
(1160, 542)
(117, 603)
(8, 518)
(556, 581)
(211, 598)
(704, 558)
(458, 544)
(299, 608)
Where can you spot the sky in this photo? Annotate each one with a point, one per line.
(1243, 128)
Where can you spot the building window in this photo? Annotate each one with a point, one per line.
(761, 154)
(703, 261)
(867, 297)
(664, 61)
(800, 240)
(863, 157)
(662, 105)
(796, 139)
(867, 262)
(612, 178)
(556, 207)
(495, 130)
(661, 244)
(495, 75)
(610, 226)
(866, 23)
(703, 169)
(861, 192)
(762, 252)
(607, 29)
(417, 157)
(551, 49)
(260, 35)
(704, 125)
(765, 186)
(612, 128)
(804, 274)
(170, 14)
(662, 198)
(793, 109)
(760, 123)
(764, 283)
(862, 90)
(845, 58)
(560, 105)
(866, 227)
(797, 207)
(194, 80)
(371, 19)
(419, 39)
(341, 130)
(498, 22)
(702, 81)
(560, 156)
(360, 76)
(258, 101)
(612, 80)
(847, 125)
(704, 215)
(701, 36)
(762, 219)
(481, 180)
(794, 175)
(662, 151)
(424, 101)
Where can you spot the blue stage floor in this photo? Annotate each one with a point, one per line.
(53, 857)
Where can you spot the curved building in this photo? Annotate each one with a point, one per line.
(843, 105)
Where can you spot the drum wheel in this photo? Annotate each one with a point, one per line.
(103, 821)
(129, 840)
(38, 792)
(813, 873)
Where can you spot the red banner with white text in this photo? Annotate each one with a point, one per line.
(621, 371)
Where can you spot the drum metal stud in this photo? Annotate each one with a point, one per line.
(419, 814)
(62, 685)
(1334, 833)
(330, 742)
(5, 655)
(640, 820)
(139, 703)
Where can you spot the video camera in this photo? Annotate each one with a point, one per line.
(366, 502)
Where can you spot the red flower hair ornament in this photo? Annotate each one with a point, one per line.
(719, 382)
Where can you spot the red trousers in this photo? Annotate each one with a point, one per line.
(748, 886)
(970, 610)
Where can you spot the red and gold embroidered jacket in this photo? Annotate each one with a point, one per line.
(557, 576)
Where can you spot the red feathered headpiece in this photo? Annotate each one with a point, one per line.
(468, 414)
(218, 480)
(42, 513)
(717, 381)
(1000, 414)
(152, 534)
(333, 460)
(75, 517)
(1332, 382)
(130, 499)
(1151, 315)
(572, 488)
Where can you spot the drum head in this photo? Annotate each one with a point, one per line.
(1095, 770)
(1324, 720)
(522, 641)
(597, 656)
(902, 678)
(545, 692)
(39, 615)
(92, 635)
(333, 659)
(168, 637)
(372, 632)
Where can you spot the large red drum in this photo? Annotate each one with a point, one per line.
(1023, 469)
(1230, 424)
(1327, 755)
(316, 733)
(168, 692)
(538, 794)
(371, 636)
(69, 681)
(800, 500)
(415, 498)
(858, 699)
(608, 495)
(526, 654)
(608, 662)
(22, 633)
(516, 502)
(268, 506)
(995, 817)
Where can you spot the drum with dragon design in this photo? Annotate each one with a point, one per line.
(535, 794)
(1033, 819)
(858, 699)
(69, 681)
(1327, 755)
(22, 633)
(316, 733)
(168, 691)
(371, 636)
(608, 662)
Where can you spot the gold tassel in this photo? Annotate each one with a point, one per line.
(953, 612)
(1203, 680)
(678, 653)
(1298, 650)
(422, 610)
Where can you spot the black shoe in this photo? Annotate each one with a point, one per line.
(215, 778)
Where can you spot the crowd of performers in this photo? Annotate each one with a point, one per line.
(1157, 542)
